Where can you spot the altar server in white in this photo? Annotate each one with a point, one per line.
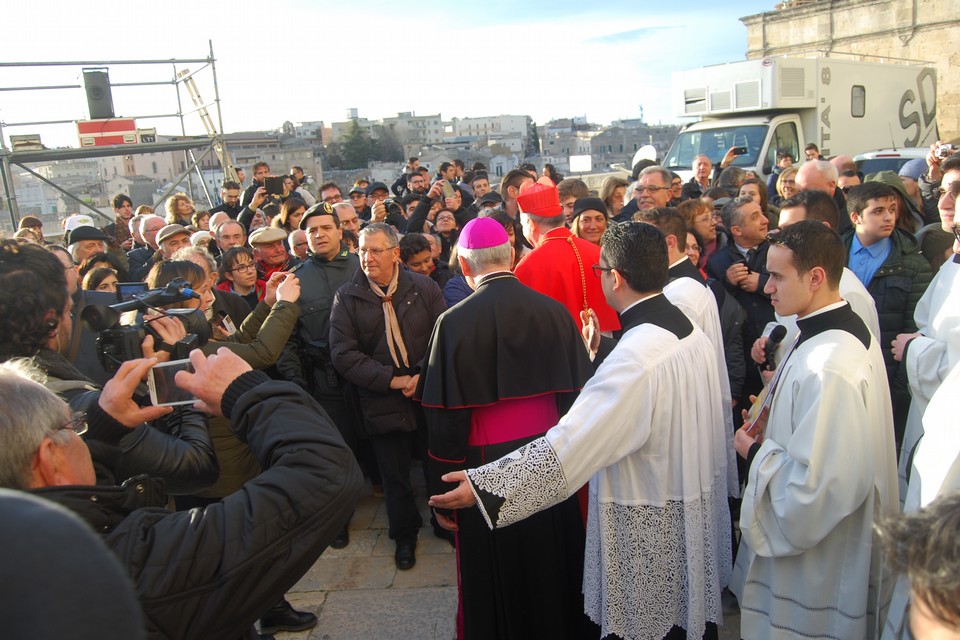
(821, 464)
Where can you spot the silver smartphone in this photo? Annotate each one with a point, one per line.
(164, 391)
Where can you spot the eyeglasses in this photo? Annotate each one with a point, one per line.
(376, 252)
(953, 190)
(598, 270)
(641, 189)
(693, 247)
(77, 424)
(246, 266)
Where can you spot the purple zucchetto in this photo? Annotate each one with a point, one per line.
(482, 233)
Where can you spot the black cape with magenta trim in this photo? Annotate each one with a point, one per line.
(480, 350)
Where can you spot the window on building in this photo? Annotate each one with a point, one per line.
(154, 167)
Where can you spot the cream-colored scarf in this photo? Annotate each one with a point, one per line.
(394, 338)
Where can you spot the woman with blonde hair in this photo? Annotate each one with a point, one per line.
(786, 185)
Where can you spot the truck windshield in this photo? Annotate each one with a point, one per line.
(714, 143)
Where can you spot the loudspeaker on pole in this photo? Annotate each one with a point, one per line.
(99, 98)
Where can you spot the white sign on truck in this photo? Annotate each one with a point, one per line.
(783, 103)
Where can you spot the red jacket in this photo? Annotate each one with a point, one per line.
(554, 270)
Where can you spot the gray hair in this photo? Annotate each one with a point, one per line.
(381, 227)
(480, 260)
(731, 211)
(147, 218)
(31, 413)
(656, 169)
(134, 222)
(189, 253)
(826, 169)
(731, 178)
(344, 205)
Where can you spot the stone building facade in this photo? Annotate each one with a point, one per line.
(896, 29)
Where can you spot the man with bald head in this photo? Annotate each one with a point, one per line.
(820, 175)
(844, 163)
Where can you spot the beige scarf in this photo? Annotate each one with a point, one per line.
(394, 338)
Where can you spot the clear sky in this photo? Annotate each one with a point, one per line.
(299, 60)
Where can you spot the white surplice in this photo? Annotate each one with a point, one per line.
(930, 357)
(645, 432)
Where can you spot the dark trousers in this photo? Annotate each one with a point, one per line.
(392, 451)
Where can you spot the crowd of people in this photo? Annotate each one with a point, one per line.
(665, 388)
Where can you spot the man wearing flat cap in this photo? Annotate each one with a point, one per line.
(172, 238)
(560, 265)
(524, 581)
(270, 252)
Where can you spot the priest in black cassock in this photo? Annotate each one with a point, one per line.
(503, 366)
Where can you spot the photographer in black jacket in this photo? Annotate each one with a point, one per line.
(205, 573)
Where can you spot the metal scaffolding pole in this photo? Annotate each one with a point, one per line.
(64, 192)
(189, 170)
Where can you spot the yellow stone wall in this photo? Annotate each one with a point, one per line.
(927, 30)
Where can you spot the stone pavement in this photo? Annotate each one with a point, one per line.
(358, 593)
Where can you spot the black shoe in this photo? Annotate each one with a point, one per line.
(283, 617)
(342, 539)
(406, 554)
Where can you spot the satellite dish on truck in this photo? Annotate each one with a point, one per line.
(646, 152)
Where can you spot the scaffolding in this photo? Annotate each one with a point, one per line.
(182, 77)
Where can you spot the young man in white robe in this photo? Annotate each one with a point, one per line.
(647, 433)
(821, 466)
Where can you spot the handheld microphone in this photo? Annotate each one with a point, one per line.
(773, 341)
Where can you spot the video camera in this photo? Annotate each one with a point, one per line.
(117, 343)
